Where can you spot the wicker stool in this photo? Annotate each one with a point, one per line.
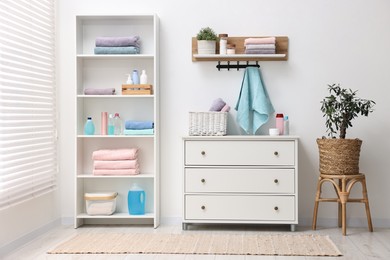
(342, 188)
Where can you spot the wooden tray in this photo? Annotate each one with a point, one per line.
(137, 89)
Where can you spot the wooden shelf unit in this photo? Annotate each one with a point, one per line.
(281, 51)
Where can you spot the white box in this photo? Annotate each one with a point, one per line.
(103, 203)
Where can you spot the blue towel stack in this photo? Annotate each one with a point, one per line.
(253, 106)
(139, 127)
(117, 45)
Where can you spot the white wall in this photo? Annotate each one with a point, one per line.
(331, 41)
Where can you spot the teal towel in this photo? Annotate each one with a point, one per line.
(138, 132)
(116, 50)
(253, 106)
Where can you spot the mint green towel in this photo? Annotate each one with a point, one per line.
(253, 106)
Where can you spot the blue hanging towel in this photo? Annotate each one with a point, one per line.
(253, 106)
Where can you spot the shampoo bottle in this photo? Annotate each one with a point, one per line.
(144, 77)
(280, 123)
(89, 127)
(135, 77)
(286, 126)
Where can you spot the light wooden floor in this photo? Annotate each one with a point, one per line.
(359, 244)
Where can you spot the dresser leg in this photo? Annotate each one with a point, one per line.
(292, 228)
(184, 226)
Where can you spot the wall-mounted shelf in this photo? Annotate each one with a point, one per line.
(281, 51)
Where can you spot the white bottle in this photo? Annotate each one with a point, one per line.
(286, 124)
(129, 81)
(144, 77)
(117, 124)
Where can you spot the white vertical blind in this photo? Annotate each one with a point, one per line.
(28, 159)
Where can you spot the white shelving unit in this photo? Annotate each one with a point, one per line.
(109, 71)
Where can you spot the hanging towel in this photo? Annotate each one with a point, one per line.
(253, 106)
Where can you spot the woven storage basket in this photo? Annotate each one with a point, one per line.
(208, 123)
(339, 156)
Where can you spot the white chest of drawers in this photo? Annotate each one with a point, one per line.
(240, 179)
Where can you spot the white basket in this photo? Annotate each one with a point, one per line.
(208, 123)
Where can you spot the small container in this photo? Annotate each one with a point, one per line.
(135, 77)
(223, 43)
(286, 126)
(231, 49)
(103, 123)
(144, 77)
(273, 131)
(118, 126)
(280, 123)
(136, 200)
(129, 81)
(111, 127)
(89, 127)
(100, 203)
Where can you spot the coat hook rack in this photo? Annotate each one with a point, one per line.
(237, 66)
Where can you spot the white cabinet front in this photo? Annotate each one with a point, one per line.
(240, 207)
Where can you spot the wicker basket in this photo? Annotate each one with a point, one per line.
(208, 123)
(339, 156)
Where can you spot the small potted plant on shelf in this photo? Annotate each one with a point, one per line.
(340, 156)
(207, 40)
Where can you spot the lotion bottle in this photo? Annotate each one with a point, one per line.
(144, 77)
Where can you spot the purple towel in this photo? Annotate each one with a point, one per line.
(217, 105)
(99, 91)
(117, 41)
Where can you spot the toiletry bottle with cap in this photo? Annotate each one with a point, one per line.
(103, 123)
(286, 126)
(144, 77)
(223, 43)
(280, 123)
(89, 127)
(117, 124)
(129, 81)
(135, 77)
(111, 128)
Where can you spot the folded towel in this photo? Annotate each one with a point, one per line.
(260, 46)
(138, 132)
(253, 106)
(226, 108)
(116, 172)
(116, 50)
(115, 155)
(259, 51)
(129, 124)
(99, 91)
(217, 105)
(112, 165)
(117, 41)
(259, 40)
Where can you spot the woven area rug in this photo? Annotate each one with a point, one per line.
(218, 244)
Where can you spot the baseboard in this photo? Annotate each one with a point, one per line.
(12, 246)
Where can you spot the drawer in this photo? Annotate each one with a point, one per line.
(239, 152)
(239, 207)
(239, 180)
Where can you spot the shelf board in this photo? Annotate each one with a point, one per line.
(115, 136)
(115, 96)
(118, 216)
(114, 56)
(138, 176)
(233, 57)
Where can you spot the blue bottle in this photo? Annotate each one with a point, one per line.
(89, 127)
(136, 200)
(135, 77)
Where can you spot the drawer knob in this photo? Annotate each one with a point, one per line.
(276, 208)
(203, 207)
(276, 181)
(276, 153)
(203, 180)
(202, 152)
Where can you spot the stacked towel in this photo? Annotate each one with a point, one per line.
(115, 162)
(117, 45)
(219, 105)
(99, 91)
(139, 127)
(264, 45)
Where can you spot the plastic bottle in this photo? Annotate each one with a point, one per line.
(280, 123)
(117, 124)
(135, 77)
(286, 126)
(223, 43)
(111, 128)
(144, 77)
(136, 200)
(89, 127)
(103, 123)
(129, 81)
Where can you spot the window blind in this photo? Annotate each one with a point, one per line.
(28, 159)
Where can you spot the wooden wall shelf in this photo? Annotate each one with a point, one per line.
(281, 51)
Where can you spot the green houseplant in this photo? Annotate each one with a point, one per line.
(341, 155)
(207, 40)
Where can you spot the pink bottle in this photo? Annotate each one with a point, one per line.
(280, 123)
(103, 126)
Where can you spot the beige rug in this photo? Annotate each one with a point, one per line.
(198, 243)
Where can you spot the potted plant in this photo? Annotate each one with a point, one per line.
(340, 155)
(207, 40)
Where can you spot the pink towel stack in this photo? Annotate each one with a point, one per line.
(115, 162)
(264, 45)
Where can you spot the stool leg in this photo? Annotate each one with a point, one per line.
(365, 197)
(339, 205)
(344, 198)
(316, 202)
